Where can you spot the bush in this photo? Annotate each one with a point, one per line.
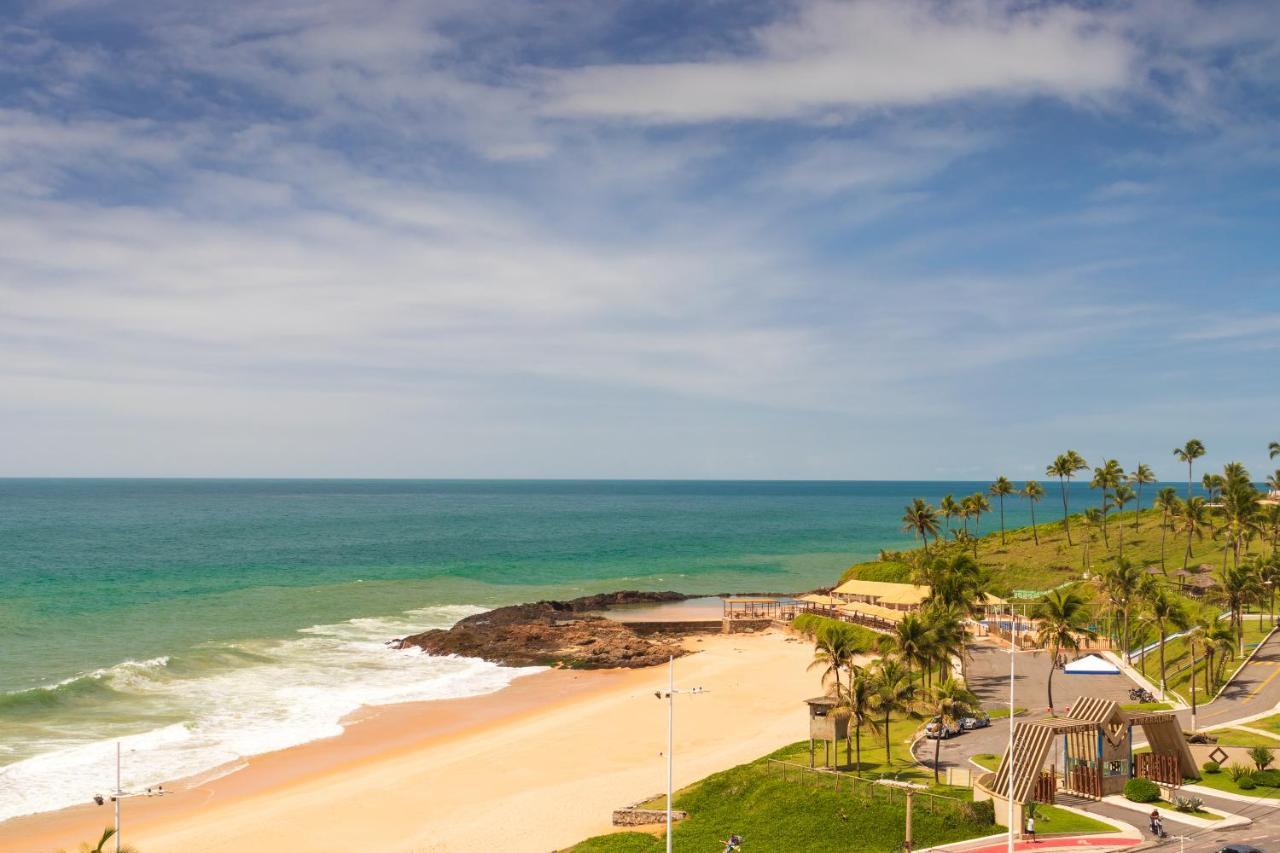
(1261, 756)
(1266, 778)
(1237, 771)
(1246, 783)
(1212, 767)
(1141, 791)
(983, 812)
(1187, 804)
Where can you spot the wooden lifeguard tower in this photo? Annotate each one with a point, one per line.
(826, 727)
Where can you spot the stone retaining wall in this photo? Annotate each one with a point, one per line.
(693, 626)
(645, 817)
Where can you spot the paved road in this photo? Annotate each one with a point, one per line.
(1255, 690)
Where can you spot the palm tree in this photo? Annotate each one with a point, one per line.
(1001, 487)
(101, 845)
(1222, 645)
(1091, 521)
(1269, 576)
(915, 646)
(1239, 517)
(948, 702)
(1034, 493)
(920, 519)
(956, 581)
(1168, 504)
(1164, 610)
(1122, 584)
(980, 506)
(1064, 467)
(946, 627)
(1106, 477)
(1192, 519)
(1273, 449)
(834, 646)
(1063, 617)
(949, 509)
(1121, 496)
(856, 703)
(1240, 587)
(1189, 453)
(1213, 484)
(1140, 476)
(895, 692)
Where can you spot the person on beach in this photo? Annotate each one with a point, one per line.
(1031, 829)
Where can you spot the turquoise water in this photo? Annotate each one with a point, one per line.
(205, 620)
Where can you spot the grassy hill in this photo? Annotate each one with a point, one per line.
(1020, 563)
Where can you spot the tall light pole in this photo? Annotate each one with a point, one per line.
(670, 696)
(1013, 648)
(120, 793)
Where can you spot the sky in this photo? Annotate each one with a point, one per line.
(692, 239)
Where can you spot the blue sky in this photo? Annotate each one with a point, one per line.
(872, 239)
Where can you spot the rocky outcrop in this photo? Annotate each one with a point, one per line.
(554, 633)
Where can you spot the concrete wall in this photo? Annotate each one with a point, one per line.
(645, 817)
(981, 793)
(693, 626)
(1235, 754)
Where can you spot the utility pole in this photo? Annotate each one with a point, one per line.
(906, 844)
(1013, 648)
(120, 793)
(670, 696)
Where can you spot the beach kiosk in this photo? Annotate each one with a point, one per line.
(826, 727)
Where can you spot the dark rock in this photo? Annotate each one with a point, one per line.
(554, 633)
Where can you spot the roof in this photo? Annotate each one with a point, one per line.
(875, 610)
(824, 600)
(741, 599)
(1091, 665)
(821, 700)
(1201, 581)
(894, 593)
(988, 598)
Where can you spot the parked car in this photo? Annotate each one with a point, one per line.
(936, 729)
(978, 721)
(1239, 848)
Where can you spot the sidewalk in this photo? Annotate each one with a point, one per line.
(1000, 843)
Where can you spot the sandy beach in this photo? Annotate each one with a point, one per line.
(536, 766)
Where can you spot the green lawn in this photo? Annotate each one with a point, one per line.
(1021, 564)
(1271, 724)
(1222, 782)
(1238, 737)
(1201, 813)
(987, 760)
(777, 810)
(1176, 654)
(1052, 819)
(1147, 706)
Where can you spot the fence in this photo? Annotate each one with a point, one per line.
(869, 790)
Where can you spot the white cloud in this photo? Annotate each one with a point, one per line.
(838, 56)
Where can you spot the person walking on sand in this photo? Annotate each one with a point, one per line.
(1031, 829)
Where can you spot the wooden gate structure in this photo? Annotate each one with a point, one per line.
(1097, 752)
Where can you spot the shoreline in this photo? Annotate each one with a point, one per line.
(503, 759)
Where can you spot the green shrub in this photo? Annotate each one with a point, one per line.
(1141, 791)
(1212, 767)
(1246, 783)
(887, 569)
(1261, 757)
(1187, 804)
(1237, 771)
(1266, 778)
(982, 812)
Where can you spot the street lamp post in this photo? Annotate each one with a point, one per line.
(670, 696)
(120, 793)
(1013, 649)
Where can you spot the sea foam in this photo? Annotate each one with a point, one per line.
(258, 697)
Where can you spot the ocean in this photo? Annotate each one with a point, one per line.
(202, 621)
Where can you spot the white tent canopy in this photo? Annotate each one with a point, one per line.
(1091, 665)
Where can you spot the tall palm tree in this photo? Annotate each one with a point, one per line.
(1269, 575)
(1213, 484)
(1122, 584)
(1139, 477)
(946, 626)
(1165, 610)
(948, 702)
(1273, 450)
(1091, 520)
(1034, 493)
(1239, 588)
(981, 506)
(1064, 618)
(949, 509)
(1240, 518)
(1001, 487)
(1064, 467)
(1222, 645)
(953, 581)
(1167, 502)
(915, 645)
(1106, 477)
(1189, 453)
(834, 647)
(1121, 496)
(1192, 519)
(857, 704)
(920, 519)
(895, 692)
